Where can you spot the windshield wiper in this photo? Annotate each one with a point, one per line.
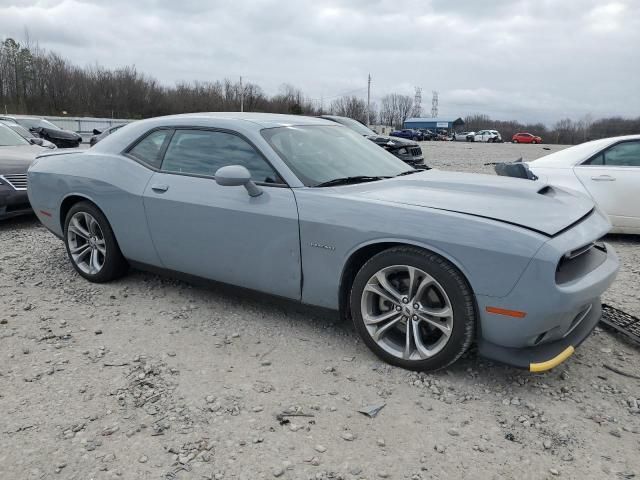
(348, 180)
(408, 172)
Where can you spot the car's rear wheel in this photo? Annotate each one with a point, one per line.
(515, 141)
(413, 308)
(91, 244)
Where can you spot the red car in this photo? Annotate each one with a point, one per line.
(525, 138)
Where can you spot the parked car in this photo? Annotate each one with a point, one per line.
(99, 135)
(406, 150)
(489, 136)
(16, 154)
(526, 138)
(47, 130)
(427, 134)
(425, 262)
(415, 135)
(27, 135)
(461, 136)
(606, 170)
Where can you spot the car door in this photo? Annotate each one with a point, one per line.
(480, 136)
(220, 232)
(612, 177)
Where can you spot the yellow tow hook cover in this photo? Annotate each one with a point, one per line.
(554, 362)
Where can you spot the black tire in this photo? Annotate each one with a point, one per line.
(115, 265)
(453, 282)
(415, 139)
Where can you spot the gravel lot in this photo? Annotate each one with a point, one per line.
(149, 378)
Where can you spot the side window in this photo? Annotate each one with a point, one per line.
(596, 160)
(203, 152)
(625, 154)
(149, 148)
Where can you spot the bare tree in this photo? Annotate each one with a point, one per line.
(395, 109)
(36, 81)
(352, 107)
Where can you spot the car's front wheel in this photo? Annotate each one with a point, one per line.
(91, 244)
(413, 308)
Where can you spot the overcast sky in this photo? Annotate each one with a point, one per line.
(528, 60)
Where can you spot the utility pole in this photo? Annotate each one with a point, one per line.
(241, 95)
(368, 98)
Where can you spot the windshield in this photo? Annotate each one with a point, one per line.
(355, 125)
(318, 154)
(36, 123)
(20, 130)
(575, 154)
(9, 138)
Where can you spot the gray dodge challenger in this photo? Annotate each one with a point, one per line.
(424, 262)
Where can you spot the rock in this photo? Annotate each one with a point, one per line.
(348, 436)
(439, 448)
(210, 399)
(98, 332)
(383, 474)
(547, 444)
(143, 459)
(315, 461)
(453, 432)
(277, 472)
(106, 431)
(381, 442)
(320, 448)
(554, 472)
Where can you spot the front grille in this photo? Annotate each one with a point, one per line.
(16, 180)
(416, 151)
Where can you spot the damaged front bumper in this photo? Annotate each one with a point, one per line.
(557, 296)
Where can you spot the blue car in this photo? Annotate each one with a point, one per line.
(424, 262)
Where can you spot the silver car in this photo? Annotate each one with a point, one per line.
(424, 262)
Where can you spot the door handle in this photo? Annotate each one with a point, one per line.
(160, 188)
(603, 178)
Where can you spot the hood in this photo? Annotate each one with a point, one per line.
(18, 159)
(59, 134)
(532, 205)
(392, 142)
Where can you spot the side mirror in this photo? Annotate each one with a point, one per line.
(235, 176)
(96, 131)
(35, 141)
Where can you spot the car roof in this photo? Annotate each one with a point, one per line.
(266, 120)
(578, 153)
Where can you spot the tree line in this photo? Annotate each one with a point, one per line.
(40, 82)
(565, 131)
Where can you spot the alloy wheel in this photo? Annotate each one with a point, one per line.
(86, 243)
(407, 312)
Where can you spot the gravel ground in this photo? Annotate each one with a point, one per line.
(149, 378)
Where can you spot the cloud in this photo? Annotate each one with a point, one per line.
(529, 60)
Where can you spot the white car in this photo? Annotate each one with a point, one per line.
(489, 136)
(462, 136)
(607, 170)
